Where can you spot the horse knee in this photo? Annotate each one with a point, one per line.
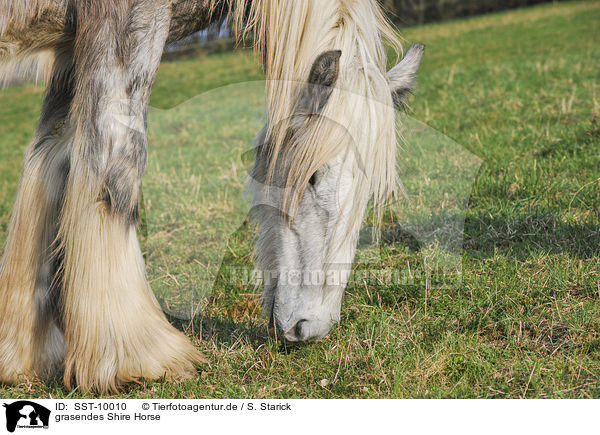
(122, 186)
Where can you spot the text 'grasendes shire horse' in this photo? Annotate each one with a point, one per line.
(73, 290)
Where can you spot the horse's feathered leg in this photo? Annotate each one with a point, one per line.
(30, 337)
(114, 329)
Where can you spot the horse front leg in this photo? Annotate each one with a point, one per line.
(31, 341)
(114, 328)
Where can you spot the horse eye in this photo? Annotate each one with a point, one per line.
(313, 179)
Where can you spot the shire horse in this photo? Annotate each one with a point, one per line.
(74, 298)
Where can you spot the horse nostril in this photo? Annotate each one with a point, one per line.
(300, 330)
(307, 331)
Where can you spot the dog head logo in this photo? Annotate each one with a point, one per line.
(26, 414)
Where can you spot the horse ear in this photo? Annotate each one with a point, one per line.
(322, 77)
(326, 68)
(404, 75)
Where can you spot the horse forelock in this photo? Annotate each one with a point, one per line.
(290, 36)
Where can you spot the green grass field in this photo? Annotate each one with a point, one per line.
(521, 91)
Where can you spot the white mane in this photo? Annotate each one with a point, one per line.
(290, 36)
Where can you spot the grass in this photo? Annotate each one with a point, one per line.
(519, 90)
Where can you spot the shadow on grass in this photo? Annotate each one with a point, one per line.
(518, 237)
(522, 236)
(225, 332)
